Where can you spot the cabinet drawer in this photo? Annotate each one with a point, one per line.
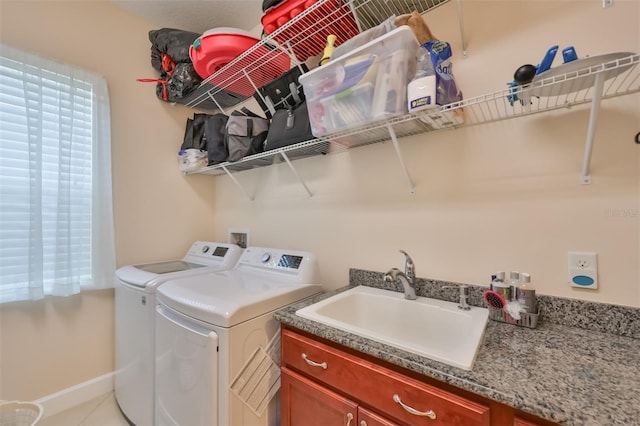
(379, 387)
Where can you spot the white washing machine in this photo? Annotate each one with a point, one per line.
(135, 321)
(216, 331)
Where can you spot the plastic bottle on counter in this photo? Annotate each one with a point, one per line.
(526, 294)
(421, 91)
(513, 283)
(499, 286)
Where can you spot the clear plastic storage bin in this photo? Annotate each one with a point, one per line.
(366, 84)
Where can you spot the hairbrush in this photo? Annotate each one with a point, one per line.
(494, 300)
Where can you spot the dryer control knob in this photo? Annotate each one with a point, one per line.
(266, 257)
(205, 249)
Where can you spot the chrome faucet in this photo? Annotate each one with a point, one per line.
(409, 267)
(464, 296)
(407, 279)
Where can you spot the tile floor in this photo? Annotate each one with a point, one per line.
(100, 411)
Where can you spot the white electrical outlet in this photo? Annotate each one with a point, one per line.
(583, 270)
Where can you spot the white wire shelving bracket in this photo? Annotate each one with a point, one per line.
(396, 146)
(295, 172)
(463, 38)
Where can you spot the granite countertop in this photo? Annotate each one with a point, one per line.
(562, 373)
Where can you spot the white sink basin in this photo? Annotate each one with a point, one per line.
(431, 328)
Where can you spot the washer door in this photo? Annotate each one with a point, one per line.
(186, 371)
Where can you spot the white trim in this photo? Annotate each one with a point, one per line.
(76, 395)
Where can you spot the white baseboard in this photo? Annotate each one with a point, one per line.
(77, 394)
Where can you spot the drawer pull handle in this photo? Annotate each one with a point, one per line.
(363, 423)
(413, 411)
(349, 418)
(314, 364)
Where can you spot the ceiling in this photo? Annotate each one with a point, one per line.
(196, 15)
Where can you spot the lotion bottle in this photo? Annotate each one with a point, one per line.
(526, 294)
(499, 286)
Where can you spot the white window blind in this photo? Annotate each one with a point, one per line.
(56, 219)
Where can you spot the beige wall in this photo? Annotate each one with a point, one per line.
(500, 196)
(50, 345)
(497, 196)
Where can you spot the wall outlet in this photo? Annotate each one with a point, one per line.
(239, 237)
(583, 270)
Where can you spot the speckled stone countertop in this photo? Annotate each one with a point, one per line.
(579, 366)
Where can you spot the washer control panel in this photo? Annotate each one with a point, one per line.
(208, 250)
(269, 258)
(221, 255)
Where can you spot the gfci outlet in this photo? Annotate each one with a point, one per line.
(583, 269)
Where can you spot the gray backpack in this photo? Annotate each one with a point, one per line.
(245, 134)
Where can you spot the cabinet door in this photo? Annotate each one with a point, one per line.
(369, 418)
(305, 403)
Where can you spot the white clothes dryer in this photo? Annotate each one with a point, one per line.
(135, 304)
(211, 331)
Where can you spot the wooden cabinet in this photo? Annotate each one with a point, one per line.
(326, 383)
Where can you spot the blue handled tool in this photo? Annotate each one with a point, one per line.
(569, 54)
(525, 74)
(547, 60)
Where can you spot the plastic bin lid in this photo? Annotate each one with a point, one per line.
(402, 34)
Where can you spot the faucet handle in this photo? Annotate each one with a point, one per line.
(389, 276)
(409, 266)
(464, 295)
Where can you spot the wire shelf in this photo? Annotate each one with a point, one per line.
(624, 78)
(311, 148)
(299, 39)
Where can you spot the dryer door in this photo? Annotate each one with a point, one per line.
(186, 371)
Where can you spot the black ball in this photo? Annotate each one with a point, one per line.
(524, 74)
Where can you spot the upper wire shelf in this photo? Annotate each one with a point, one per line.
(618, 77)
(301, 39)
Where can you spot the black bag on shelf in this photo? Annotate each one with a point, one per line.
(172, 42)
(288, 127)
(178, 81)
(245, 134)
(282, 93)
(215, 127)
(181, 82)
(194, 135)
